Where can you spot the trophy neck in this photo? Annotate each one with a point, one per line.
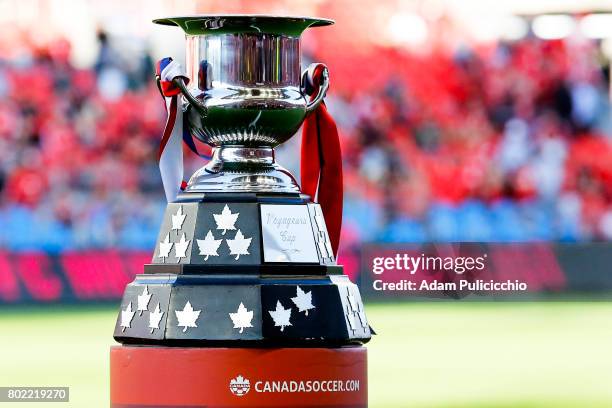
(242, 169)
(239, 155)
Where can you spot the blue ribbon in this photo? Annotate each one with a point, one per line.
(188, 140)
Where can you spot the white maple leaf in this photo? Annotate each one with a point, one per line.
(178, 219)
(181, 248)
(154, 318)
(323, 248)
(362, 316)
(350, 317)
(209, 245)
(242, 318)
(239, 245)
(303, 300)
(143, 300)
(320, 223)
(165, 247)
(352, 303)
(362, 319)
(281, 316)
(126, 317)
(329, 248)
(187, 317)
(226, 220)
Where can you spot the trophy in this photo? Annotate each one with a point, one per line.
(243, 281)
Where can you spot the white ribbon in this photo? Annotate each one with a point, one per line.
(171, 158)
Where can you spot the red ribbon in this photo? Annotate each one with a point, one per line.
(321, 163)
(169, 127)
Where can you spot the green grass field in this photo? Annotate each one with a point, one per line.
(425, 354)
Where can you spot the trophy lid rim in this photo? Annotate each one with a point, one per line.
(234, 23)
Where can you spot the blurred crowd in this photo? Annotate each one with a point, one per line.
(78, 166)
(503, 143)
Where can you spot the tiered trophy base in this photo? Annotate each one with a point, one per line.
(161, 376)
(243, 304)
(243, 270)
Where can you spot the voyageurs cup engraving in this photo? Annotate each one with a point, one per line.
(287, 234)
(285, 227)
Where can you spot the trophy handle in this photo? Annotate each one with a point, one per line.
(308, 86)
(199, 106)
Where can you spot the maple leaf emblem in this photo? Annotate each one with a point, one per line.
(320, 223)
(143, 300)
(209, 245)
(240, 386)
(165, 247)
(362, 319)
(226, 220)
(126, 317)
(323, 248)
(303, 300)
(242, 318)
(178, 219)
(181, 248)
(187, 317)
(281, 316)
(350, 317)
(239, 245)
(154, 318)
(352, 303)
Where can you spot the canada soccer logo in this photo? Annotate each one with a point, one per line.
(239, 386)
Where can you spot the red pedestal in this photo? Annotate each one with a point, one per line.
(148, 377)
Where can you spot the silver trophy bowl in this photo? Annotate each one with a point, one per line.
(246, 95)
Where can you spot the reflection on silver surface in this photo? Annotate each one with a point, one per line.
(244, 89)
(245, 97)
(241, 169)
(243, 60)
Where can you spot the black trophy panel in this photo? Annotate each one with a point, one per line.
(174, 242)
(242, 269)
(302, 312)
(214, 312)
(209, 234)
(354, 313)
(144, 309)
(222, 309)
(227, 234)
(243, 232)
(326, 253)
